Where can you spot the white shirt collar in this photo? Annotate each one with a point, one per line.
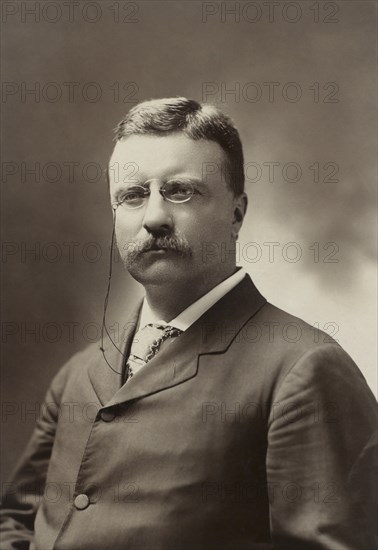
(187, 317)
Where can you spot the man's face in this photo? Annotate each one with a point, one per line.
(190, 241)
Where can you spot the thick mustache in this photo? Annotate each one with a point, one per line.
(174, 243)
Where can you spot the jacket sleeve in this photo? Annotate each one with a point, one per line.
(322, 452)
(23, 493)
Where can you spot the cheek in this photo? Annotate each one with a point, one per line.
(209, 227)
(215, 221)
(127, 226)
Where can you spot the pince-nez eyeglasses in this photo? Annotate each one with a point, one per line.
(172, 191)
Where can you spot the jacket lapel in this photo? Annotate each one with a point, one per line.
(178, 362)
(106, 373)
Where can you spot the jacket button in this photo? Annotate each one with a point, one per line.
(81, 502)
(107, 416)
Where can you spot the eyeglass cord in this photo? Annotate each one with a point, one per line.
(104, 328)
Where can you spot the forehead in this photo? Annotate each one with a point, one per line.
(161, 156)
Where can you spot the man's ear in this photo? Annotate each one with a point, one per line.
(240, 209)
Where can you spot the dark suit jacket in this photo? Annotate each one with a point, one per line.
(247, 432)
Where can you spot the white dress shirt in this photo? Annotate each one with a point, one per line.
(187, 317)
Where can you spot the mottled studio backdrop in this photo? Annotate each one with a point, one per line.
(298, 78)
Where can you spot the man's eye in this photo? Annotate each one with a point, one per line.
(132, 196)
(179, 190)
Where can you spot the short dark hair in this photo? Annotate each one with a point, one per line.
(198, 121)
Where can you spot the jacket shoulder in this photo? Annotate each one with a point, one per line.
(288, 345)
(75, 368)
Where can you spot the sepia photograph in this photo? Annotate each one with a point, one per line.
(189, 275)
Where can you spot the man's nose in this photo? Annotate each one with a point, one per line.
(157, 214)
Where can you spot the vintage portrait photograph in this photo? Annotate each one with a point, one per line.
(189, 275)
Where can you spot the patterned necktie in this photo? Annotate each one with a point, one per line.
(146, 344)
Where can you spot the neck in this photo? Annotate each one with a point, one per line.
(168, 301)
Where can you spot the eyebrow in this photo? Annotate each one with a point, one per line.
(184, 179)
(146, 183)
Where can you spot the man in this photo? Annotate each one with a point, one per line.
(213, 427)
